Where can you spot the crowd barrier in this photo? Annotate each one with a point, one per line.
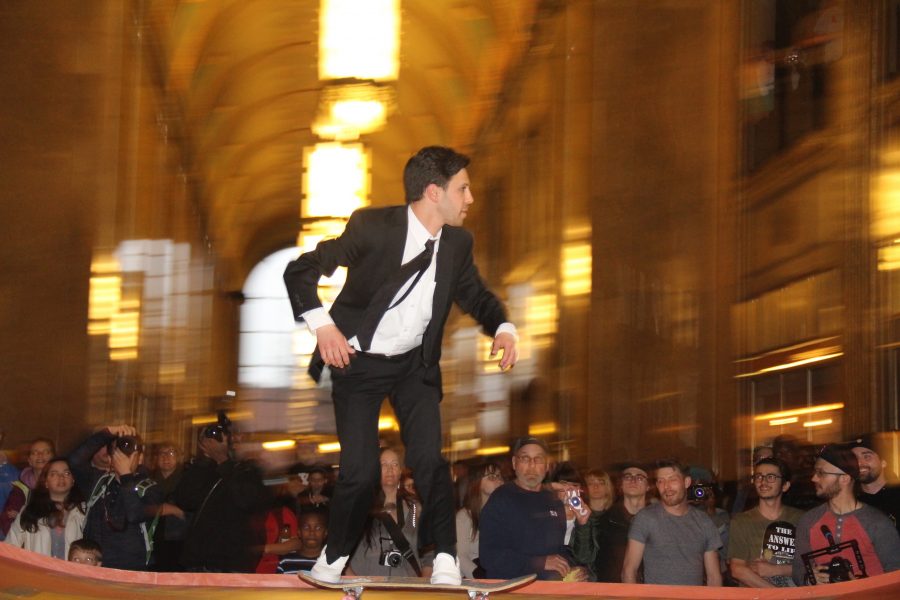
(24, 574)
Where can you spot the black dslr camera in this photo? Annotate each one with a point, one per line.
(839, 569)
(128, 444)
(391, 558)
(219, 430)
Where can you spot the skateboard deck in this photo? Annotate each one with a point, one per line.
(353, 587)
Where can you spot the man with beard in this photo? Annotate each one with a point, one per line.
(761, 541)
(677, 542)
(843, 538)
(875, 490)
(523, 525)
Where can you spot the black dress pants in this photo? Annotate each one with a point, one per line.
(358, 391)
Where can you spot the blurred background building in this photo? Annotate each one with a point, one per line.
(691, 207)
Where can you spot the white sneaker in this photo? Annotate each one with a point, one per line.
(329, 573)
(446, 570)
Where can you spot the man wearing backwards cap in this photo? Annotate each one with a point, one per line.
(523, 525)
(840, 519)
(875, 491)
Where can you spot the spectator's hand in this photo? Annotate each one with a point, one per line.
(555, 562)
(762, 567)
(561, 486)
(171, 510)
(123, 464)
(822, 575)
(583, 517)
(506, 342)
(333, 346)
(121, 430)
(214, 449)
(296, 486)
(318, 499)
(577, 574)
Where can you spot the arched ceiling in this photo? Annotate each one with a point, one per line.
(243, 75)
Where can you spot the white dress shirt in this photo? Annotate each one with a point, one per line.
(402, 327)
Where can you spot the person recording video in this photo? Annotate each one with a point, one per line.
(225, 494)
(122, 500)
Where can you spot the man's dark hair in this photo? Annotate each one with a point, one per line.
(782, 467)
(432, 164)
(672, 463)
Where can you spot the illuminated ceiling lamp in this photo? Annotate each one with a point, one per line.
(335, 180)
(359, 39)
(359, 56)
(349, 111)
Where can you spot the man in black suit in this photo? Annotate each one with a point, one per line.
(383, 338)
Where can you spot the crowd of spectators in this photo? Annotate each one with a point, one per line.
(802, 516)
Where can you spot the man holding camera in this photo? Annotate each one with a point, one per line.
(843, 538)
(761, 543)
(523, 525)
(224, 494)
(122, 502)
(678, 543)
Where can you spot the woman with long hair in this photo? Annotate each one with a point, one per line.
(55, 513)
(484, 480)
(390, 543)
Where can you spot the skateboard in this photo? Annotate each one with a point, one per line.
(353, 587)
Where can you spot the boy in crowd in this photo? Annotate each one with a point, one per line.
(313, 529)
(86, 552)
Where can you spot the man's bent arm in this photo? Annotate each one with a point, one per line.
(711, 563)
(634, 554)
(742, 572)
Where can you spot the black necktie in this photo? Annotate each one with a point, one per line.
(381, 302)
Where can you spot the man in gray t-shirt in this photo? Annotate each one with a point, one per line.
(677, 542)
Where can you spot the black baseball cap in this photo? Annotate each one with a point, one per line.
(866, 440)
(842, 457)
(529, 439)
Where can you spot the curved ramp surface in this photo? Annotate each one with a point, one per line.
(24, 575)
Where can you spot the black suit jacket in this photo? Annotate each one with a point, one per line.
(371, 247)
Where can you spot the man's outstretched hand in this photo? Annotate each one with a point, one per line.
(333, 346)
(506, 342)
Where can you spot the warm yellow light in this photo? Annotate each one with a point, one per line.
(329, 447)
(491, 450)
(104, 296)
(792, 364)
(889, 258)
(818, 423)
(336, 180)
(279, 445)
(244, 415)
(117, 354)
(463, 445)
(785, 421)
(799, 411)
(123, 335)
(359, 39)
(387, 423)
(349, 111)
(542, 428)
(576, 269)
(540, 315)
